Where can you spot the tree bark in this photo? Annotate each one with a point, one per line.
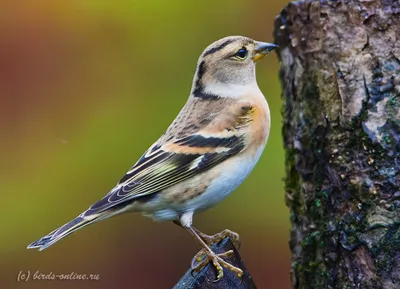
(206, 278)
(340, 73)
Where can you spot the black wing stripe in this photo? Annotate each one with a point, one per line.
(207, 161)
(162, 170)
(182, 163)
(115, 196)
(172, 176)
(144, 163)
(201, 141)
(140, 184)
(177, 161)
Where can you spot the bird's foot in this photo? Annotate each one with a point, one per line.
(203, 257)
(214, 239)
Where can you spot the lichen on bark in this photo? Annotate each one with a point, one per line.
(340, 74)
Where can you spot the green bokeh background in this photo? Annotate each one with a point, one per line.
(85, 88)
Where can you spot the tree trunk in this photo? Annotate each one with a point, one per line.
(340, 72)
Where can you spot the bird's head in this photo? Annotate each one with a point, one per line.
(230, 61)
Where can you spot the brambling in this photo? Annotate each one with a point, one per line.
(207, 151)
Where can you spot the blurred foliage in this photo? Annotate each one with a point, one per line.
(85, 88)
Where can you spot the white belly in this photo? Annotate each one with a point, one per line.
(231, 174)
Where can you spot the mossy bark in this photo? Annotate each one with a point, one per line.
(340, 72)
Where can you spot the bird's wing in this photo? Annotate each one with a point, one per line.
(172, 160)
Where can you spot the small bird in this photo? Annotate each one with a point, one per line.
(207, 151)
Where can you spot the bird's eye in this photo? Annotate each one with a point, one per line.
(241, 53)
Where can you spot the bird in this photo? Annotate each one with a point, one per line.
(207, 152)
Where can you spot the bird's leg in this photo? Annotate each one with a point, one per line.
(216, 238)
(206, 255)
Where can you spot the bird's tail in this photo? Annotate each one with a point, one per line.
(70, 227)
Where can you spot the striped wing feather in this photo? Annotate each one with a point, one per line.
(173, 160)
(158, 169)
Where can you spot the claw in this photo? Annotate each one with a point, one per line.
(207, 257)
(226, 254)
(198, 261)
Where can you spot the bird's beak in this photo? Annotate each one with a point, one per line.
(262, 49)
